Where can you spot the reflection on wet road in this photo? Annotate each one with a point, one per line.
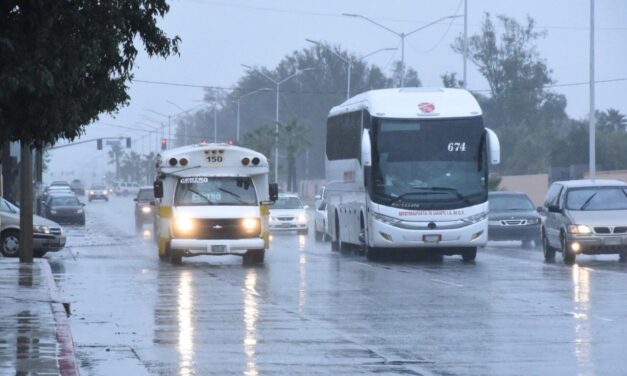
(312, 311)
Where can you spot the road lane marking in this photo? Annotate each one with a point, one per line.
(446, 282)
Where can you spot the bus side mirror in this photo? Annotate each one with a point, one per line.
(273, 189)
(157, 186)
(366, 154)
(494, 147)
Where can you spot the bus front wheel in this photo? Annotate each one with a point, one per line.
(469, 254)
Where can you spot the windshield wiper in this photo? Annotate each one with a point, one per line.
(231, 193)
(448, 190)
(585, 204)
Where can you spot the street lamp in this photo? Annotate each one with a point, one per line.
(377, 51)
(239, 98)
(276, 125)
(401, 35)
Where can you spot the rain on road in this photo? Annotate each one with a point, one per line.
(312, 311)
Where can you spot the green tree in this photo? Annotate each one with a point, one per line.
(411, 76)
(526, 115)
(62, 64)
(294, 138)
(131, 166)
(116, 154)
(260, 139)
(610, 121)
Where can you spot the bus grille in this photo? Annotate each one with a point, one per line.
(217, 229)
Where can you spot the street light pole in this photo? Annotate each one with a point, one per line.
(465, 40)
(401, 35)
(591, 120)
(276, 125)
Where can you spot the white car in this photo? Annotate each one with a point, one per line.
(320, 222)
(126, 189)
(289, 214)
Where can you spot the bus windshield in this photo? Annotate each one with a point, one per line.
(200, 191)
(429, 164)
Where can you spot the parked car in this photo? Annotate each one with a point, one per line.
(320, 196)
(61, 183)
(78, 187)
(585, 217)
(98, 191)
(513, 217)
(48, 236)
(320, 222)
(145, 210)
(55, 189)
(125, 189)
(65, 209)
(288, 214)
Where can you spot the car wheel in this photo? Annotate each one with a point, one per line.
(254, 256)
(549, 252)
(39, 253)
(568, 256)
(10, 243)
(469, 254)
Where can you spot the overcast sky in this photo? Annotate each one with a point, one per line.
(218, 36)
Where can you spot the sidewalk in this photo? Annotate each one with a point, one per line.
(35, 335)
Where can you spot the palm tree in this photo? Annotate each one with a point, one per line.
(293, 138)
(131, 166)
(115, 156)
(615, 120)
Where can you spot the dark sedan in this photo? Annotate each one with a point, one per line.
(513, 217)
(65, 209)
(145, 210)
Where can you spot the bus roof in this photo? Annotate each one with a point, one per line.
(220, 157)
(412, 102)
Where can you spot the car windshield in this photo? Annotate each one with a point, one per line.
(146, 195)
(509, 202)
(192, 191)
(64, 201)
(7, 207)
(597, 198)
(287, 203)
(98, 186)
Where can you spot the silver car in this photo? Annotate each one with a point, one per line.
(48, 236)
(585, 217)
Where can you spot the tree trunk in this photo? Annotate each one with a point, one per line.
(26, 203)
(291, 174)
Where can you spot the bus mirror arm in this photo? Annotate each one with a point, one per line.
(273, 190)
(158, 188)
(495, 147)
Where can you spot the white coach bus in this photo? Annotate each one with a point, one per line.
(213, 200)
(410, 170)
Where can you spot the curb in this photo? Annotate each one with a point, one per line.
(68, 366)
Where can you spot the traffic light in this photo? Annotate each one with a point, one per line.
(164, 144)
(99, 144)
(128, 142)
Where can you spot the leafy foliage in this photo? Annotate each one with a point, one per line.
(62, 63)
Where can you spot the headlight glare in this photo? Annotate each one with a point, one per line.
(146, 209)
(579, 229)
(301, 218)
(250, 224)
(79, 211)
(184, 224)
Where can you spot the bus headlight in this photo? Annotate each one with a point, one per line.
(476, 218)
(250, 224)
(385, 219)
(184, 224)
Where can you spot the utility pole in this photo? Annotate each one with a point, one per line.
(591, 120)
(465, 41)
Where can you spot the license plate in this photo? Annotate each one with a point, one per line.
(431, 238)
(218, 248)
(612, 241)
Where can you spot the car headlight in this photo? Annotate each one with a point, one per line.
(92, 192)
(146, 209)
(533, 221)
(41, 230)
(184, 224)
(301, 218)
(104, 193)
(250, 224)
(79, 211)
(579, 229)
(52, 211)
(476, 218)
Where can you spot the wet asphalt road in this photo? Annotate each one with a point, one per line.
(311, 311)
